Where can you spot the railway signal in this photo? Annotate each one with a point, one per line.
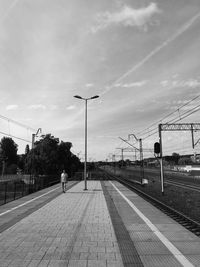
(157, 148)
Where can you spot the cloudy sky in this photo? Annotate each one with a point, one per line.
(141, 57)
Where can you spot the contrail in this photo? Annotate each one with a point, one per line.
(186, 26)
(8, 10)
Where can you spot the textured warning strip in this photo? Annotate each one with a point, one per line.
(127, 248)
(30, 208)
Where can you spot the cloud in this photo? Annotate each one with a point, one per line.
(190, 83)
(130, 85)
(71, 107)
(12, 107)
(127, 16)
(155, 51)
(164, 83)
(37, 106)
(89, 85)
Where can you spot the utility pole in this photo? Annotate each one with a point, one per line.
(175, 127)
(113, 159)
(161, 160)
(34, 135)
(122, 154)
(141, 154)
(141, 161)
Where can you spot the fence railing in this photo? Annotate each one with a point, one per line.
(16, 186)
(11, 189)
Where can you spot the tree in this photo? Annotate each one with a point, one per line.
(27, 149)
(8, 155)
(185, 161)
(50, 157)
(64, 156)
(175, 157)
(9, 150)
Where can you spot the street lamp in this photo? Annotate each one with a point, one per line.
(39, 130)
(34, 135)
(85, 165)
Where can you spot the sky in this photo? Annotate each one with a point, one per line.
(141, 57)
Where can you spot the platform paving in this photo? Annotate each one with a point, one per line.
(108, 225)
(153, 237)
(74, 229)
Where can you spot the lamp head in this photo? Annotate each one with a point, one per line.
(93, 97)
(78, 96)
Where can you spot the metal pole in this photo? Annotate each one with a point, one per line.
(192, 132)
(193, 145)
(114, 164)
(85, 165)
(3, 168)
(32, 158)
(33, 140)
(141, 161)
(161, 160)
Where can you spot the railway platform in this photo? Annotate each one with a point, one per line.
(107, 225)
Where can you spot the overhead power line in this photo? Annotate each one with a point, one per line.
(171, 113)
(149, 132)
(17, 123)
(22, 139)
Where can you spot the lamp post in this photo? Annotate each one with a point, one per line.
(85, 165)
(34, 135)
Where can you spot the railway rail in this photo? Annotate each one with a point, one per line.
(183, 185)
(182, 219)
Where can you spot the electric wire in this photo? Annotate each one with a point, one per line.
(22, 139)
(17, 123)
(174, 120)
(168, 115)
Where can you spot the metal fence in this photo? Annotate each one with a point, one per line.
(91, 175)
(16, 186)
(11, 189)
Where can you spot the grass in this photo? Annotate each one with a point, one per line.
(184, 200)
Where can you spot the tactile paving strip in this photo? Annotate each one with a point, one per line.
(127, 248)
(32, 208)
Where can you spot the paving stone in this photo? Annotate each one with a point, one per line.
(114, 264)
(71, 229)
(96, 263)
(89, 256)
(57, 263)
(77, 263)
(43, 263)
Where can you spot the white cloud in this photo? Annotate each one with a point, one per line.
(154, 52)
(130, 85)
(12, 107)
(117, 85)
(135, 84)
(127, 16)
(190, 83)
(88, 85)
(71, 107)
(37, 106)
(164, 83)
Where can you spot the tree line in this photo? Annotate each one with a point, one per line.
(47, 156)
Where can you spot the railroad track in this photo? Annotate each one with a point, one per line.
(183, 185)
(182, 219)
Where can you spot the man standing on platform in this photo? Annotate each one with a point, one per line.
(64, 177)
